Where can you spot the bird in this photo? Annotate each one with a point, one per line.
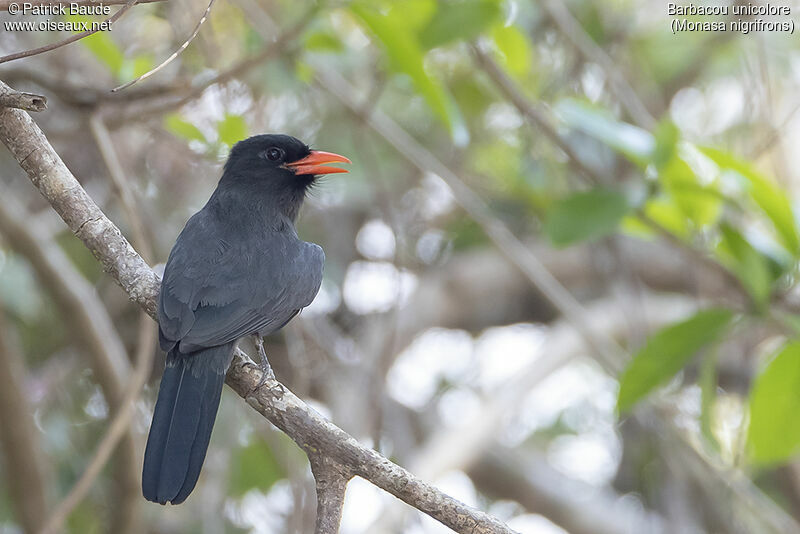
(237, 269)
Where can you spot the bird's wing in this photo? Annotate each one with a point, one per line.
(214, 293)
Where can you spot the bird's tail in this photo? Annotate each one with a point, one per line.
(182, 421)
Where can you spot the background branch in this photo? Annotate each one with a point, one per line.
(92, 328)
(71, 39)
(19, 440)
(119, 426)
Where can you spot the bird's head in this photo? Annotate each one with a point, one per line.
(280, 161)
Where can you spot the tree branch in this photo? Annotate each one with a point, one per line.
(10, 98)
(19, 443)
(572, 30)
(331, 482)
(173, 55)
(56, 183)
(71, 39)
(536, 116)
(306, 427)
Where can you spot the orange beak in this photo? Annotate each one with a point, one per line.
(315, 162)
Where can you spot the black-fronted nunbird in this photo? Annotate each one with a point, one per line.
(238, 268)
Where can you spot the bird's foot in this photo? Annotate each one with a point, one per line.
(266, 368)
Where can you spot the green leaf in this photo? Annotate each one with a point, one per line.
(231, 129)
(254, 467)
(667, 214)
(667, 351)
(461, 20)
(774, 435)
(182, 128)
(667, 136)
(413, 14)
(633, 142)
(749, 265)
(514, 50)
(700, 204)
(323, 41)
(767, 195)
(405, 55)
(585, 215)
(304, 72)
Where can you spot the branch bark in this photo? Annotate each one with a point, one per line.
(307, 428)
(331, 483)
(22, 456)
(19, 100)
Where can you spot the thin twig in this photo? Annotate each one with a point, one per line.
(535, 114)
(20, 100)
(572, 29)
(275, 48)
(71, 39)
(102, 138)
(174, 54)
(116, 430)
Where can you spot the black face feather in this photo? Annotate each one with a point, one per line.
(256, 179)
(266, 154)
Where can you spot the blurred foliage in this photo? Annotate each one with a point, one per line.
(255, 467)
(773, 435)
(667, 352)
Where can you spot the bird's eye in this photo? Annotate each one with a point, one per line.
(274, 154)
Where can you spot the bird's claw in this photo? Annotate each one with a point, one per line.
(266, 369)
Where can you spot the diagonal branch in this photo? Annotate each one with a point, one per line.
(72, 38)
(573, 30)
(307, 428)
(173, 55)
